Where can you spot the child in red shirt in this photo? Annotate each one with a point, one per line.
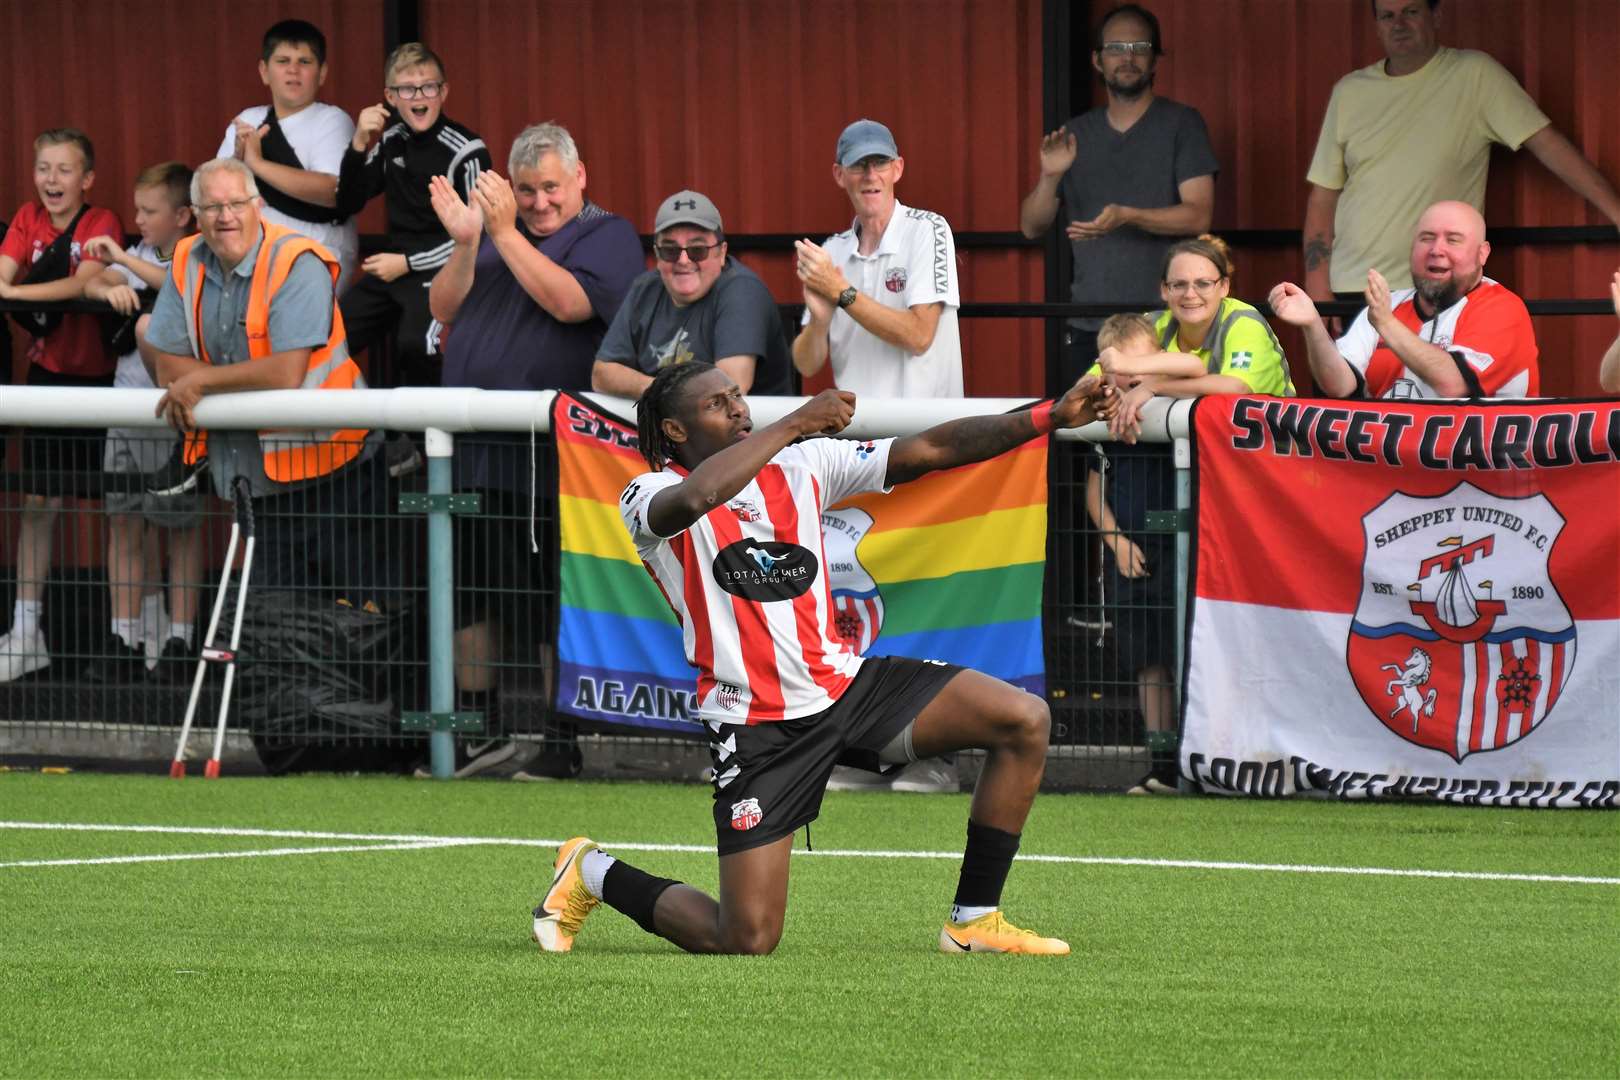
(56, 461)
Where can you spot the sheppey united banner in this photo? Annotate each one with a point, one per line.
(948, 567)
(1406, 599)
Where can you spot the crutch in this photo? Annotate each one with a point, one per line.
(241, 523)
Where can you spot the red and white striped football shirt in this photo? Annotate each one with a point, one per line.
(749, 581)
(1488, 331)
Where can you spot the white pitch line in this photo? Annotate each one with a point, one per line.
(408, 841)
(190, 856)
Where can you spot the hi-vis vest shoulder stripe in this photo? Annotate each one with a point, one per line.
(288, 455)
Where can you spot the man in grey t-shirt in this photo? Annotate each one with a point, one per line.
(699, 304)
(1132, 177)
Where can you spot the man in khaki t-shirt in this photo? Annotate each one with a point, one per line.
(1411, 130)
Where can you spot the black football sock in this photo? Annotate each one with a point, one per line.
(985, 862)
(633, 892)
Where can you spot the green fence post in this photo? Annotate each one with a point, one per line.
(1183, 456)
(441, 597)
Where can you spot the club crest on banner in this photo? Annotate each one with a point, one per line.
(857, 606)
(1461, 642)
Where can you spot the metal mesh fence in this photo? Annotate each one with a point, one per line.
(109, 589)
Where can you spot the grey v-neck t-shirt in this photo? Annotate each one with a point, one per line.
(1142, 167)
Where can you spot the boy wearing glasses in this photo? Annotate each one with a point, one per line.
(294, 145)
(397, 148)
(1130, 176)
(699, 304)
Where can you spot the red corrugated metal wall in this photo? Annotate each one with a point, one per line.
(1261, 72)
(744, 101)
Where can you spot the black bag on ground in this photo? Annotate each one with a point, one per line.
(320, 684)
(53, 264)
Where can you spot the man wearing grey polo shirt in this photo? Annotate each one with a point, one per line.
(219, 328)
(881, 297)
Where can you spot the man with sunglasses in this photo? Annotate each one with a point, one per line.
(1132, 177)
(698, 304)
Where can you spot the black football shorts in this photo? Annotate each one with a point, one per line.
(769, 778)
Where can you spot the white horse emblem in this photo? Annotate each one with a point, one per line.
(1413, 675)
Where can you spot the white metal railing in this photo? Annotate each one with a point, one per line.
(461, 409)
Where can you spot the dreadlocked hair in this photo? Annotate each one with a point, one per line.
(657, 403)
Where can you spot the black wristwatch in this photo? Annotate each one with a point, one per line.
(847, 297)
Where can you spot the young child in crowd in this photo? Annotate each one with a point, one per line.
(295, 144)
(144, 637)
(397, 148)
(44, 257)
(1141, 590)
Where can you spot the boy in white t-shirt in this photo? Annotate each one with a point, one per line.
(295, 144)
(142, 633)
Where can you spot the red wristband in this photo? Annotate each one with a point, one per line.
(1041, 417)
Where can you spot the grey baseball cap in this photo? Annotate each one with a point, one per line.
(864, 139)
(687, 208)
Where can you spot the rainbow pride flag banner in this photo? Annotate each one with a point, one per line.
(948, 567)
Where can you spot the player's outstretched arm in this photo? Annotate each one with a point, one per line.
(975, 438)
(721, 475)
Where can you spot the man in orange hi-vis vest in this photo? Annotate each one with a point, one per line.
(249, 305)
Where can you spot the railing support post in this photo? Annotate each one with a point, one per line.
(1183, 460)
(441, 600)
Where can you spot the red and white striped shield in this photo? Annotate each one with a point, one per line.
(1461, 642)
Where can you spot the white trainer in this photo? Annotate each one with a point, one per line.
(21, 654)
(845, 778)
(930, 776)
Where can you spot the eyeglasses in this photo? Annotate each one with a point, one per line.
(237, 207)
(1126, 48)
(870, 165)
(696, 252)
(1201, 286)
(428, 90)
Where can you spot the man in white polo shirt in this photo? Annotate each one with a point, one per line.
(881, 297)
(880, 302)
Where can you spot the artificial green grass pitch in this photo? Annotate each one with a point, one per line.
(417, 961)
